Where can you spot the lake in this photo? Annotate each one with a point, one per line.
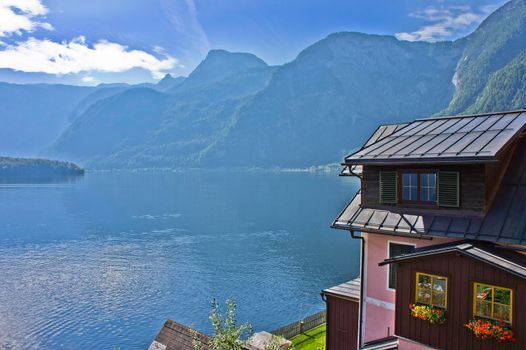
(105, 260)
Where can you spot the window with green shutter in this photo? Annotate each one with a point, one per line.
(388, 187)
(397, 249)
(449, 189)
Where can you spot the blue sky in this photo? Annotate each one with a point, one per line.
(87, 42)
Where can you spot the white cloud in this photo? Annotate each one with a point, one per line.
(444, 22)
(89, 79)
(17, 16)
(76, 56)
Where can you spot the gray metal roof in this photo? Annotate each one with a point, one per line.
(442, 140)
(502, 258)
(348, 290)
(505, 221)
(383, 131)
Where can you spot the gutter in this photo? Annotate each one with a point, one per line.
(362, 288)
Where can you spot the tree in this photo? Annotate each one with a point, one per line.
(227, 334)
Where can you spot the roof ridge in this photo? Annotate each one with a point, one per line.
(472, 115)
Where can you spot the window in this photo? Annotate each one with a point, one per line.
(492, 302)
(431, 290)
(428, 187)
(419, 187)
(409, 187)
(396, 249)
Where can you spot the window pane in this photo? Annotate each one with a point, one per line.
(424, 194)
(484, 293)
(409, 186)
(428, 187)
(483, 309)
(433, 180)
(424, 281)
(439, 292)
(424, 289)
(405, 194)
(412, 196)
(423, 180)
(502, 296)
(406, 178)
(423, 296)
(502, 312)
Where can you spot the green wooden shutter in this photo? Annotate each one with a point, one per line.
(388, 187)
(449, 189)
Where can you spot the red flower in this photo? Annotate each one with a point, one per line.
(485, 329)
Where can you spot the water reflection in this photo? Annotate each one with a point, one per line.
(105, 261)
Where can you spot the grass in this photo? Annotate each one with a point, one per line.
(313, 339)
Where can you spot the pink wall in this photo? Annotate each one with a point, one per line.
(379, 299)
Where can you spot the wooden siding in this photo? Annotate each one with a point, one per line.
(342, 323)
(495, 173)
(472, 185)
(462, 272)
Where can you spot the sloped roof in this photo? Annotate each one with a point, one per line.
(505, 221)
(442, 140)
(502, 258)
(175, 336)
(383, 131)
(347, 290)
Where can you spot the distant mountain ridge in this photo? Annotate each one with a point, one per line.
(234, 110)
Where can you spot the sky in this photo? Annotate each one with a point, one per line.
(104, 41)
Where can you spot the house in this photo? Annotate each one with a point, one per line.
(441, 216)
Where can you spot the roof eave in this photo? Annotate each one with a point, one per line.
(463, 160)
(450, 250)
(349, 227)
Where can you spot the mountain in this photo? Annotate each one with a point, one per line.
(341, 87)
(490, 50)
(142, 127)
(168, 82)
(33, 116)
(134, 112)
(234, 110)
(100, 93)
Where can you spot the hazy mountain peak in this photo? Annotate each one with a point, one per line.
(219, 64)
(167, 78)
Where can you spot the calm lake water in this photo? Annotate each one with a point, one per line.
(104, 261)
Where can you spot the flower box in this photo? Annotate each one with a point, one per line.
(428, 313)
(486, 329)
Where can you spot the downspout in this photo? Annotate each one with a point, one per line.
(362, 288)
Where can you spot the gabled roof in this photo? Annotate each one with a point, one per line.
(471, 138)
(505, 221)
(499, 257)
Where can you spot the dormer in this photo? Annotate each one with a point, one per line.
(451, 165)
